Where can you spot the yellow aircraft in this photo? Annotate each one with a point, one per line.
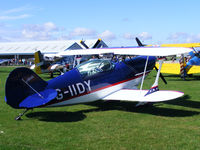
(180, 45)
(189, 45)
(175, 67)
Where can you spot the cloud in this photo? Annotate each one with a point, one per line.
(193, 38)
(46, 31)
(2, 18)
(145, 36)
(183, 37)
(125, 20)
(3, 39)
(129, 36)
(17, 10)
(107, 35)
(48, 26)
(82, 32)
(178, 35)
(15, 13)
(7, 33)
(49, 31)
(142, 36)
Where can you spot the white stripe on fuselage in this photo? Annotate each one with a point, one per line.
(99, 94)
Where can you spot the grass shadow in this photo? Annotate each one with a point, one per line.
(185, 102)
(153, 109)
(57, 116)
(147, 109)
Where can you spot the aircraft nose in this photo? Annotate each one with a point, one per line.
(152, 58)
(152, 61)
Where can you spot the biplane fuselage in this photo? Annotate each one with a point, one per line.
(92, 80)
(89, 84)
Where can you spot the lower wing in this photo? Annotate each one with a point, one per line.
(139, 95)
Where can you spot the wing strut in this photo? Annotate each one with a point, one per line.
(145, 68)
(154, 87)
(158, 73)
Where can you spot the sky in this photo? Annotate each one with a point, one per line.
(116, 22)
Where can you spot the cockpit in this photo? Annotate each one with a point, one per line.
(94, 66)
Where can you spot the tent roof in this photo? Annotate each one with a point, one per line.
(48, 47)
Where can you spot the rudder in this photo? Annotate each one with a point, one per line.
(20, 84)
(38, 62)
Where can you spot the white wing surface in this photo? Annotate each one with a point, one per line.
(138, 95)
(146, 51)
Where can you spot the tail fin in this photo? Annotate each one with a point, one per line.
(39, 61)
(25, 89)
(41, 65)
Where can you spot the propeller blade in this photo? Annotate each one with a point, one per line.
(162, 77)
(97, 43)
(139, 42)
(83, 43)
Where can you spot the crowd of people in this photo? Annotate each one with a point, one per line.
(13, 62)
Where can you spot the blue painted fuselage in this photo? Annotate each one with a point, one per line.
(75, 86)
(91, 80)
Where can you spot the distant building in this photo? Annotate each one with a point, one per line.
(20, 50)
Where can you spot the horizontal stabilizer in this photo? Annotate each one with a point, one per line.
(36, 100)
(139, 95)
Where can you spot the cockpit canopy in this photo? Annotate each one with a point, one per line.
(95, 66)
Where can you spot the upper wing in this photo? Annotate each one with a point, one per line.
(139, 95)
(146, 51)
(181, 45)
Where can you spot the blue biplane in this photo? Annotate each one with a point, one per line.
(95, 79)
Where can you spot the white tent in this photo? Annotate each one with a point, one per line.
(46, 47)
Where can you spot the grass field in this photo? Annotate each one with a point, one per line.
(172, 125)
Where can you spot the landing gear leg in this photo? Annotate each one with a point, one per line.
(51, 74)
(20, 115)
